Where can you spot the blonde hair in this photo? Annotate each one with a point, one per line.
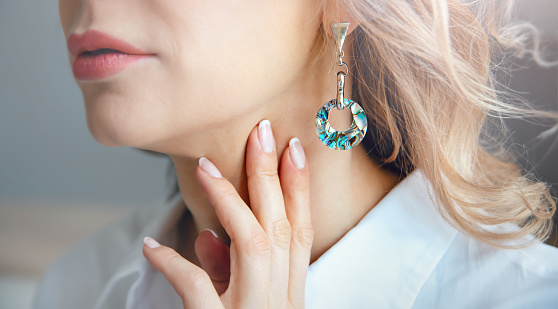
(424, 72)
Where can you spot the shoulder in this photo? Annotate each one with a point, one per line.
(483, 276)
(472, 274)
(77, 277)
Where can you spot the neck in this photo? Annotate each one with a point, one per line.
(358, 183)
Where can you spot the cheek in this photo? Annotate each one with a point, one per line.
(232, 57)
(218, 62)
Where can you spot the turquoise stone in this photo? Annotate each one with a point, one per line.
(341, 139)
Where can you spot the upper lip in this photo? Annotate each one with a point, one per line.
(93, 40)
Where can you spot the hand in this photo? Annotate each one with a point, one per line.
(270, 244)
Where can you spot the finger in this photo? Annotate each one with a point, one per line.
(266, 200)
(296, 189)
(190, 282)
(250, 260)
(214, 257)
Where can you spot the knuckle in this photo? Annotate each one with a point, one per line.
(259, 245)
(172, 260)
(304, 236)
(281, 232)
(265, 174)
(197, 280)
(226, 195)
(299, 188)
(299, 184)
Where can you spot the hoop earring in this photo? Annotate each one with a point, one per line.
(355, 133)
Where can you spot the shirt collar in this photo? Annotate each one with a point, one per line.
(386, 258)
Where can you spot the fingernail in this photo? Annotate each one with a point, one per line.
(265, 136)
(297, 153)
(212, 232)
(209, 168)
(151, 243)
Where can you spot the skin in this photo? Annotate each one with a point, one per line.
(220, 68)
(266, 256)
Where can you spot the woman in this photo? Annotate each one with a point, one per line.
(416, 216)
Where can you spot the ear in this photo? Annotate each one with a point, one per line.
(336, 12)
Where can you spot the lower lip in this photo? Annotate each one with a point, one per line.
(103, 66)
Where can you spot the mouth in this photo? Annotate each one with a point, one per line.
(99, 55)
(101, 51)
(94, 42)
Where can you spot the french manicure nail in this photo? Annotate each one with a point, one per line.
(151, 243)
(212, 232)
(265, 136)
(297, 153)
(209, 168)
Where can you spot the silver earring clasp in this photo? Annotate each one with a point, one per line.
(339, 33)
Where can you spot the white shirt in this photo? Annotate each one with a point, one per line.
(402, 254)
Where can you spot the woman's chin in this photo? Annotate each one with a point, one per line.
(116, 133)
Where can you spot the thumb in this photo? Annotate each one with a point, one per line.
(214, 257)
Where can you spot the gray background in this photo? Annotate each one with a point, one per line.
(55, 178)
(57, 184)
(46, 151)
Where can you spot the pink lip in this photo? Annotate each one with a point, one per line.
(95, 67)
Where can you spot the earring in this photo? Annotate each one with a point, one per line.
(353, 136)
